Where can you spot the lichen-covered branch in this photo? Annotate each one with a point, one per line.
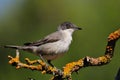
(68, 69)
(30, 64)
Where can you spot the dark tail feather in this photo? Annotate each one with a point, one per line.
(25, 48)
(12, 46)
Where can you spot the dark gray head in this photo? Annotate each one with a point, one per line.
(68, 25)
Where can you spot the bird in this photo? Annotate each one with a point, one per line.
(53, 45)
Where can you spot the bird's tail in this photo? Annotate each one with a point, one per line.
(13, 47)
(26, 48)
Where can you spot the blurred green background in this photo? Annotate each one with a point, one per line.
(29, 20)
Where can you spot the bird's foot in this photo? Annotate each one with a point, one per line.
(58, 71)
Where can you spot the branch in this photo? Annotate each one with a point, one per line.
(69, 68)
(118, 75)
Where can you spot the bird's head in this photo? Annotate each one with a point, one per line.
(68, 25)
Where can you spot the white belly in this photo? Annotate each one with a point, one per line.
(54, 50)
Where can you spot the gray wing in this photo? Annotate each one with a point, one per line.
(48, 39)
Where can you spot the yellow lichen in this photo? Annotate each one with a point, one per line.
(103, 59)
(68, 68)
(12, 60)
(44, 72)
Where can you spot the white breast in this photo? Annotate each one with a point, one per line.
(62, 45)
(57, 49)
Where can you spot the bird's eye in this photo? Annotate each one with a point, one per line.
(68, 26)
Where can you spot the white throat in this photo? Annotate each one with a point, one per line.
(68, 31)
(67, 35)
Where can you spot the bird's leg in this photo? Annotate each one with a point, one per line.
(60, 71)
(49, 62)
(43, 60)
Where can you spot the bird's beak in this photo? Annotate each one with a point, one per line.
(78, 28)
